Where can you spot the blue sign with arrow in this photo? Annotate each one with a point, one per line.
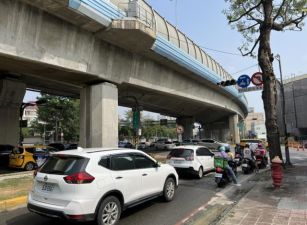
(243, 81)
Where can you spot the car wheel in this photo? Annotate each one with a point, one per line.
(29, 166)
(200, 173)
(109, 211)
(169, 189)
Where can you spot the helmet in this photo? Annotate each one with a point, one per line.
(222, 148)
(260, 145)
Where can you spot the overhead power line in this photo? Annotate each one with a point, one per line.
(239, 71)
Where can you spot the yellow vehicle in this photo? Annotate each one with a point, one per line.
(29, 157)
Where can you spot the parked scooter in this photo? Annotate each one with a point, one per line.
(221, 175)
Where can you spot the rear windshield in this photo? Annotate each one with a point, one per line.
(251, 141)
(18, 150)
(64, 165)
(208, 141)
(168, 142)
(181, 153)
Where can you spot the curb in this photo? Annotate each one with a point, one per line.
(13, 203)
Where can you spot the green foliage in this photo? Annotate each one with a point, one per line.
(149, 127)
(27, 132)
(58, 111)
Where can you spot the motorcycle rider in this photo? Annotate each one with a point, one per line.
(238, 149)
(249, 154)
(223, 154)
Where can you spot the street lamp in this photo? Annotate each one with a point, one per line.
(284, 113)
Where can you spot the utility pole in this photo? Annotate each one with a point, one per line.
(284, 113)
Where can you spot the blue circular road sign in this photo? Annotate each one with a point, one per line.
(244, 81)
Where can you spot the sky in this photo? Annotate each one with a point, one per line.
(204, 22)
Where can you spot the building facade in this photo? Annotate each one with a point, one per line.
(30, 114)
(295, 107)
(253, 120)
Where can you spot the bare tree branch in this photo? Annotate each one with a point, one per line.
(252, 49)
(247, 28)
(252, 17)
(296, 22)
(280, 9)
(246, 12)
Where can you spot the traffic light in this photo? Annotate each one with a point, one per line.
(227, 83)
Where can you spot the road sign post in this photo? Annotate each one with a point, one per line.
(257, 79)
(255, 88)
(243, 81)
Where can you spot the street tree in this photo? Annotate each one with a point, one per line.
(58, 114)
(255, 20)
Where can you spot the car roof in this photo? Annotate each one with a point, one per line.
(92, 152)
(192, 147)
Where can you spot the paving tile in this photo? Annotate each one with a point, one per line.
(297, 223)
(295, 215)
(265, 220)
(251, 220)
(262, 223)
(298, 219)
(281, 221)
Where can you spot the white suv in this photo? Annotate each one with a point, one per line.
(97, 184)
(192, 159)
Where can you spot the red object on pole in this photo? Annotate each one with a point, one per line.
(277, 174)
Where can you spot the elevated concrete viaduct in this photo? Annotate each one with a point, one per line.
(104, 55)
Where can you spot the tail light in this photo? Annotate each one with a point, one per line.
(189, 158)
(79, 178)
(219, 170)
(238, 156)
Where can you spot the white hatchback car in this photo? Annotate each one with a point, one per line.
(97, 184)
(193, 159)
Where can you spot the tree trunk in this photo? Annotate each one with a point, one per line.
(269, 94)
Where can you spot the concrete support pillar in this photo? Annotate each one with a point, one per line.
(187, 123)
(99, 116)
(11, 97)
(234, 129)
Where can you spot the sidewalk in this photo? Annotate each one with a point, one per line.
(265, 206)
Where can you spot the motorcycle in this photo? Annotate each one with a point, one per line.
(221, 175)
(261, 158)
(247, 166)
(238, 159)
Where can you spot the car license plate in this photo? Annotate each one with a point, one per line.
(178, 161)
(237, 160)
(220, 175)
(244, 165)
(47, 187)
(258, 162)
